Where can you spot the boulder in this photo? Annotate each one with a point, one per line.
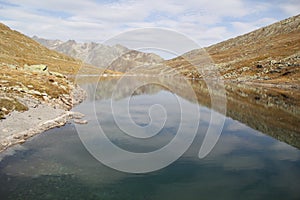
(36, 68)
(59, 75)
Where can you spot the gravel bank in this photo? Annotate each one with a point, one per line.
(41, 116)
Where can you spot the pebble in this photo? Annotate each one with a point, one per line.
(4, 144)
(4, 109)
(78, 121)
(5, 130)
(22, 141)
(77, 115)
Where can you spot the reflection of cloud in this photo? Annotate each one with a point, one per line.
(182, 113)
(282, 151)
(243, 163)
(237, 139)
(59, 153)
(236, 126)
(242, 148)
(225, 145)
(11, 151)
(239, 148)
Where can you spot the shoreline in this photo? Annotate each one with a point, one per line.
(40, 116)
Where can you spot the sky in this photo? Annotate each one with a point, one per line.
(204, 21)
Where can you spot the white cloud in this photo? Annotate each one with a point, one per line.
(291, 7)
(205, 21)
(240, 27)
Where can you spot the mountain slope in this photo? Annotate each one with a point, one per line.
(135, 60)
(270, 54)
(32, 73)
(18, 49)
(261, 67)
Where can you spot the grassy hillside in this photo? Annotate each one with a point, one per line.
(21, 83)
(18, 49)
(270, 54)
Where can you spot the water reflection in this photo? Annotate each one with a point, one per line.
(276, 113)
(245, 163)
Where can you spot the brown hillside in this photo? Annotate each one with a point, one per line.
(262, 77)
(270, 54)
(18, 49)
(31, 71)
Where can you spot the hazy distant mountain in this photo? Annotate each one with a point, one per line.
(92, 53)
(136, 60)
(115, 57)
(269, 54)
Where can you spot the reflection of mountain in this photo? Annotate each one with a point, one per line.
(273, 112)
(107, 88)
(127, 86)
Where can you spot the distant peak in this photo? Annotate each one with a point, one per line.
(71, 41)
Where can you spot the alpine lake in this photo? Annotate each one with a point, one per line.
(256, 155)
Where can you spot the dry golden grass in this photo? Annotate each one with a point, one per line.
(276, 47)
(278, 42)
(18, 49)
(42, 82)
(14, 84)
(9, 104)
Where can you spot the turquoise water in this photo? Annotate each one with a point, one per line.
(244, 164)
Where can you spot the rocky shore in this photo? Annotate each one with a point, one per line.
(42, 108)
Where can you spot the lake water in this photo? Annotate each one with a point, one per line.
(244, 163)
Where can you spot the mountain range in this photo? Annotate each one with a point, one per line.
(116, 57)
(269, 55)
(261, 68)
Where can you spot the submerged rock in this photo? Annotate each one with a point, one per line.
(79, 121)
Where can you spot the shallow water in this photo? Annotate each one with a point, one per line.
(244, 164)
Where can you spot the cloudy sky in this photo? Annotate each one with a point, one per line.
(205, 21)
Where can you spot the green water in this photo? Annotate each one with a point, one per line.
(244, 164)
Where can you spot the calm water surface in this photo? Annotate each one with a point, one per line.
(245, 163)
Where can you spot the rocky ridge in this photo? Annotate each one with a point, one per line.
(96, 54)
(116, 58)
